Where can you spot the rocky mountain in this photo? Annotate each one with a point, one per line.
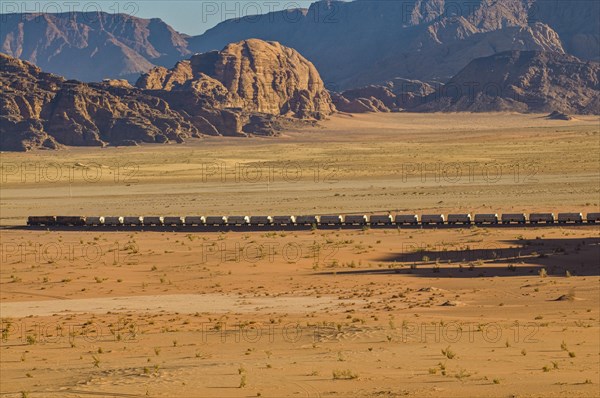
(575, 21)
(91, 46)
(352, 43)
(513, 81)
(521, 81)
(364, 42)
(254, 75)
(220, 93)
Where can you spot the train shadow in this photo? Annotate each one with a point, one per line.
(578, 256)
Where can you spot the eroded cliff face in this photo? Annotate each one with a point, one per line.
(249, 88)
(253, 75)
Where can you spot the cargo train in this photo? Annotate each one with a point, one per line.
(314, 220)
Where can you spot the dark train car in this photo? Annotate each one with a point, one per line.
(70, 221)
(36, 221)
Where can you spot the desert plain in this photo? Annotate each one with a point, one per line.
(376, 312)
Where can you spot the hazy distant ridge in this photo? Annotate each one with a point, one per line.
(351, 43)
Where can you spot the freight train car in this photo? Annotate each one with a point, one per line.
(307, 220)
(406, 219)
(153, 221)
(113, 221)
(132, 221)
(381, 220)
(438, 219)
(94, 221)
(519, 218)
(547, 218)
(70, 221)
(459, 219)
(261, 220)
(356, 220)
(238, 221)
(486, 219)
(284, 220)
(331, 220)
(36, 221)
(593, 218)
(172, 221)
(216, 221)
(564, 218)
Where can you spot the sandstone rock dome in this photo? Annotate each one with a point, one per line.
(254, 75)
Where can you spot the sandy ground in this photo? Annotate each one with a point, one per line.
(488, 312)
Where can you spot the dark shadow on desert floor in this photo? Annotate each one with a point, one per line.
(578, 256)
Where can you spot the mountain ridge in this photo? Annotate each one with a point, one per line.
(352, 44)
(103, 45)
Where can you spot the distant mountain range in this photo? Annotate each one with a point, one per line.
(364, 42)
(352, 44)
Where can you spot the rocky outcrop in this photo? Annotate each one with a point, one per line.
(254, 75)
(556, 115)
(393, 96)
(521, 81)
(42, 110)
(358, 105)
